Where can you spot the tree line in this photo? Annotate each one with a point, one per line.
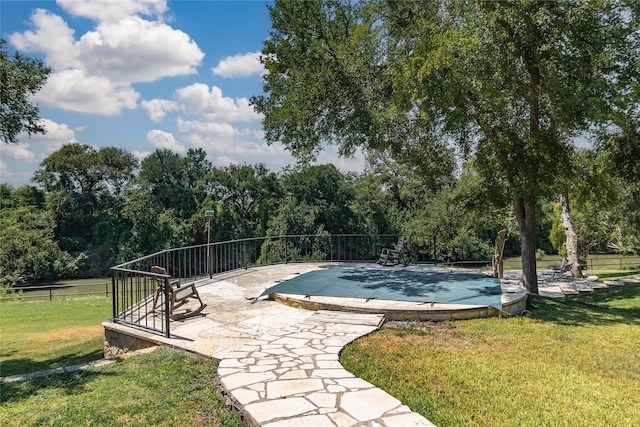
(469, 110)
(93, 208)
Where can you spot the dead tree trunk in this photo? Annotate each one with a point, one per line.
(498, 266)
(571, 236)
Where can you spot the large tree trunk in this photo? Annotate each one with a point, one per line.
(571, 236)
(498, 270)
(525, 212)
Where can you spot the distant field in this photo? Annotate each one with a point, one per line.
(66, 288)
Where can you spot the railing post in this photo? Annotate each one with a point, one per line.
(244, 250)
(113, 292)
(286, 258)
(435, 257)
(166, 308)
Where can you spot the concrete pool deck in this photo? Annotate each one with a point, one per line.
(279, 365)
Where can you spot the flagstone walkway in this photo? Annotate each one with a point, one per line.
(292, 377)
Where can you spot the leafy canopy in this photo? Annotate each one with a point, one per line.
(20, 77)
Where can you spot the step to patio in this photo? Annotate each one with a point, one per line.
(613, 283)
(598, 285)
(630, 281)
(568, 288)
(582, 286)
(551, 292)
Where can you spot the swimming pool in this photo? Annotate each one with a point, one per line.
(419, 285)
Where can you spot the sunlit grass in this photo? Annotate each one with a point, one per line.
(574, 361)
(40, 335)
(164, 388)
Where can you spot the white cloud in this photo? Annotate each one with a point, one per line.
(161, 139)
(52, 36)
(23, 156)
(198, 100)
(94, 74)
(135, 50)
(140, 155)
(18, 152)
(226, 144)
(157, 109)
(330, 155)
(111, 10)
(76, 91)
(224, 161)
(224, 130)
(241, 65)
(58, 134)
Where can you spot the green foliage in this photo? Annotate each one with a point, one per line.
(324, 190)
(28, 251)
(246, 194)
(20, 78)
(509, 81)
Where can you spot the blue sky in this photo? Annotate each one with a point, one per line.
(146, 74)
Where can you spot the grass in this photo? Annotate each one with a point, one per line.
(164, 388)
(568, 362)
(40, 335)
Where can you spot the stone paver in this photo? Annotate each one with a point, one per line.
(304, 384)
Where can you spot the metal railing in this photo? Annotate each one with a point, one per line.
(134, 286)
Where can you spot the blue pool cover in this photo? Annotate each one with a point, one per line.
(395, 284)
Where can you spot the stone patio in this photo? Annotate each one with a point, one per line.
(548, 286)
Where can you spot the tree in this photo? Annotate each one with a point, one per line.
(245, 191)
(328, 191)
(20, 77)
(511, 81)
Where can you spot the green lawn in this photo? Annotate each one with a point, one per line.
(568, 362)
(164, 388)
(40, 335)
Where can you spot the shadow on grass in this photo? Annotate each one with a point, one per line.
(588, 309)
(27, 366)
(71, 383)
